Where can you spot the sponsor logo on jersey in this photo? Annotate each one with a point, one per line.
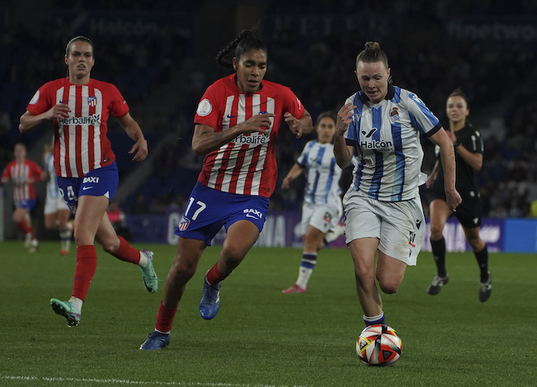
(183, 224)
(87, 120)
(253, 139)
(384, 146)
(253, 213)
(204, 108)
(90, 179)
(368, 135)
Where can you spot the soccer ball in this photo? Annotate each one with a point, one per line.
(379, 345)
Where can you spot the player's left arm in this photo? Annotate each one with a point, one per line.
(131, 127)
(447, 157)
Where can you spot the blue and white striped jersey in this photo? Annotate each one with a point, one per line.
(322, 173)
(52, 185)
(386, 137)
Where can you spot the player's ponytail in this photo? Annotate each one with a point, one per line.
(245, 41)
(371, 54)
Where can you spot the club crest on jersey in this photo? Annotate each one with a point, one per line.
(183, 224)
(394, 114)
(92, 101)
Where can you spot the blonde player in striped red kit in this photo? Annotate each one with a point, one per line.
(236, 125)
(24, 173)
(79, 108)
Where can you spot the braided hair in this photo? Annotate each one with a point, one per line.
(246, 40)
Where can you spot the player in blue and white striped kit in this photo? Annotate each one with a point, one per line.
(321, 209)
(381, 125)
(57, 214)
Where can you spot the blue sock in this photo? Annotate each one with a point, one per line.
(374, 320)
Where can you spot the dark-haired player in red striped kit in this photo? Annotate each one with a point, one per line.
(24, 173)
(79, 108)
(236, 125)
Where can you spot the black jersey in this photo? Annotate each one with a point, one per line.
(466, 179)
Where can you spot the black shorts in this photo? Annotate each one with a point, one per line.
(470, 211)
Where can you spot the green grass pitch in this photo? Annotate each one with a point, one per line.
(262, 337)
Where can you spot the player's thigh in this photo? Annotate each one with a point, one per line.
(89, 217)
(240, 238)
(187, 257)
(363, 253)
(390, 272)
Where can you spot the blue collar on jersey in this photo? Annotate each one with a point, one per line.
(389, 95)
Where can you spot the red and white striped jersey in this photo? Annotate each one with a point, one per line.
(80, 144)
(247, 164)
(19, 173)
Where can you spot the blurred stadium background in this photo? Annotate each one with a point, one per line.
(160, 54)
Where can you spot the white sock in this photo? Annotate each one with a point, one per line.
(143, 260)
(77, 302)
(303, 277)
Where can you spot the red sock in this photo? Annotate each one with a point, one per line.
(126, 252)
(214, 276)
(25, 228)
(165, 318)
(86, 263)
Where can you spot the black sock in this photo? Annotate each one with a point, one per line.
(483, 262)
(439, 254)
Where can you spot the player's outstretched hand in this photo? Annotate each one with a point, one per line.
(140, 150)
(344, 118)
(294, 124)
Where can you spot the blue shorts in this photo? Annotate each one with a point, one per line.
(99, 182)
(28, 205)
(209, 209)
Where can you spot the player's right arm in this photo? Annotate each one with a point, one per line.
(293, 173)
(28, 121)
(206, 139)
(343, 152)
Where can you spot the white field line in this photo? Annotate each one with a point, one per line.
(136, 382)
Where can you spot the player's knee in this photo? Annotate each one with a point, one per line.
(110, 245)
(436, 232)
(389, 287)
(182, 271)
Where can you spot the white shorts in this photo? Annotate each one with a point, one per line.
(322, 217)
(397, 225)
(53, 205)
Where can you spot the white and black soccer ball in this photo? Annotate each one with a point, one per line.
(379, 345)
